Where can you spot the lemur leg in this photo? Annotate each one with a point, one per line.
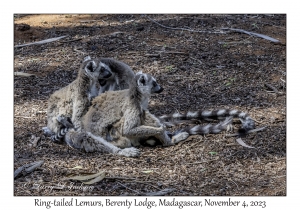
(90, 143)
(151, 120)
(110, 148)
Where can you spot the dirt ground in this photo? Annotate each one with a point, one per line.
(200, 66)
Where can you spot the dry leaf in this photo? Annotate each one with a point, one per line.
(240, 141)
(89, 179)
(97, 179)
(161, 192)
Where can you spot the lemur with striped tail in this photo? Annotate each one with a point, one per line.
(172, 119)
(108, 75)
(118, 121)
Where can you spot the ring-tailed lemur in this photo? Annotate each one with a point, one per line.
(121, 76)
(72, 101)
(247, 122)
(118, 76)
(119, 120)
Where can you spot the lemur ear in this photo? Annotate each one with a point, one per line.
(87, 58)
(90, 66)
(138, 73)
(142, 80)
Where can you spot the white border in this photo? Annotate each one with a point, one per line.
(154, 6)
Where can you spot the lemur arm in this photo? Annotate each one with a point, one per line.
(79, 111)
(132, 127)
(151, 120)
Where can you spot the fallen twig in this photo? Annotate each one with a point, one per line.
(23, 74)
(234, 183)
(74, 40)
(119, 48)
(200, 162)
(27, 168)
(282, 80)
(114, 33)
(23, 117)
(271, 87)
(88, 21)
(183, 29)
(117, 177)
(153, 55)
(160, 193)
(252, 34)
(143, 182)
(197, 142)
(169, 52)
(41, 112)
(240, 141)
(77, 50)
(174, 52)
(129, 188)
(42, 42)
(239, 42)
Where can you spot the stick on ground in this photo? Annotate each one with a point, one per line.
(252, 34)
(41, 42)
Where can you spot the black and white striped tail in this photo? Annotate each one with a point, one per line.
(247, 121)
(198, 129)
(58, 137)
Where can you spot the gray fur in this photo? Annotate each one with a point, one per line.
(121, 76)
(118, 121)
(73, 100)
(209, 128)
(247, 122)
(112, 75)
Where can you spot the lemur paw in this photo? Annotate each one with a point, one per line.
(129, 152)
(47, 131)
(180, 137)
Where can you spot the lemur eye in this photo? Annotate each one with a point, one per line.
(102, 69)
(154, 84)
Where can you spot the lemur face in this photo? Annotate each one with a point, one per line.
(147, 83)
